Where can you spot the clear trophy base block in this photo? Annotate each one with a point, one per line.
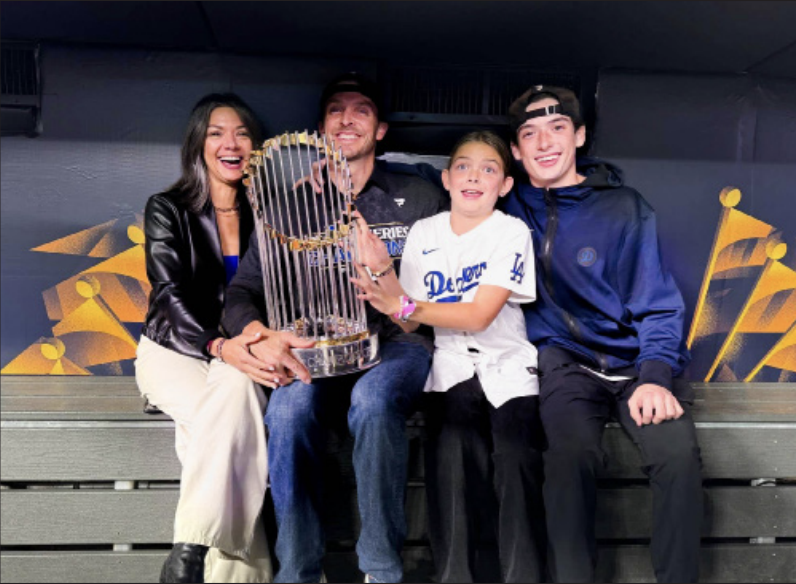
(340, 359)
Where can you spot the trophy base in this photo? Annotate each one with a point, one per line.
(342, 359)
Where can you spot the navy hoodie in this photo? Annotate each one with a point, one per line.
(603, 292)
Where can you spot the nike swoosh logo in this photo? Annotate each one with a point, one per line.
(428, 251)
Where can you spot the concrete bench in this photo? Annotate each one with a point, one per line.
(90, 483)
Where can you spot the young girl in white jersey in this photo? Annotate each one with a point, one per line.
(465, 272)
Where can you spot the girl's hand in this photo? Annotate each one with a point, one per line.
(372, 250)
(373, 293)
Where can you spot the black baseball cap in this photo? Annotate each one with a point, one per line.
(351, 82)
(568, 105)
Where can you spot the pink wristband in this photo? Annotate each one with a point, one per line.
(408, 307)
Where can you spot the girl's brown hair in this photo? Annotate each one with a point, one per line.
(490, 139)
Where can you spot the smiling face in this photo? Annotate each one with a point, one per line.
(228, 145)
(475, 179)
(352, 121)
(546, 146)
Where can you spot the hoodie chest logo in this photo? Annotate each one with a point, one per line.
(587, 256)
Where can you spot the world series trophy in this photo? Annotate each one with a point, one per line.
(299, 187)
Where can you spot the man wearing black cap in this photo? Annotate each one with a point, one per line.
(377, 402)
(608, 325)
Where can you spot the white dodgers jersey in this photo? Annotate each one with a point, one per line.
(440, 266)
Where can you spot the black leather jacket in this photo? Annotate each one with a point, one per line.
(185, 267)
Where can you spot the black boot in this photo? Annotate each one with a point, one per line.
(186, 563)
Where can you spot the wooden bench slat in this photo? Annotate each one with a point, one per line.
(112, 452)
(61, 385)
(715, 402)
(81, 566)
(145, 451)
(622, 513)
(88, 516)
(23, 385)
(719, 563)
(626, 513)
(92, 516)
(73, 407)
(729, 451)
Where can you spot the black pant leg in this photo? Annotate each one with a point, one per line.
(671, 459)
(518, 443)
(461, 501)
(574, 408)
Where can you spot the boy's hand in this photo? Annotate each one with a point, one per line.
(651, 403)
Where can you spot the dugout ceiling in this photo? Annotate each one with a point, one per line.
(718, 37)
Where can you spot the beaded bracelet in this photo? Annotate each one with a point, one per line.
(220, 356)
(385, 271)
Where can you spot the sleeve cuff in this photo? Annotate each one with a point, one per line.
(205, 338)
(657, 372)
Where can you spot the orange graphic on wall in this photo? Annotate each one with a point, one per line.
(746, 248)
(92, 306)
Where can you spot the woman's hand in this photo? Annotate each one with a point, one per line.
(371, 291)
(372, 250)
(265, 355)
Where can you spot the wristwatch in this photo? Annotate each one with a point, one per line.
(408, 307)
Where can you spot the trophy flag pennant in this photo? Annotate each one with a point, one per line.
(731, 250)
(774, 278)
(782, 355)
(772, 304)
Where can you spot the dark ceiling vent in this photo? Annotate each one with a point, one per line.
(20, 82)
(458, 95)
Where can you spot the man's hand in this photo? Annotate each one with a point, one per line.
(266, 356)
(370, 290)
(652, 403)
(315, 178)
(372, 250)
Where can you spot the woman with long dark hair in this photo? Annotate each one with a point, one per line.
(195, 233)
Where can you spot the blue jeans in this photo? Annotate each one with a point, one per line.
(298, 417)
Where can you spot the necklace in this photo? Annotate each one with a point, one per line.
(227, 209)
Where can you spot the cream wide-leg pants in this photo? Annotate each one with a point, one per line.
(220, 441)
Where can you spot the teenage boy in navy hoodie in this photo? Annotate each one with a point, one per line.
(608, 323)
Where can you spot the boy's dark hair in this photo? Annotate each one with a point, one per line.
(568, 105)
(490, 139)
(355, 82)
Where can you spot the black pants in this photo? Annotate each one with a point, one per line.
(484, 481)
(575, 404)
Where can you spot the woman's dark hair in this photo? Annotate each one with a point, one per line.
(490, 139)
(193, 184)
